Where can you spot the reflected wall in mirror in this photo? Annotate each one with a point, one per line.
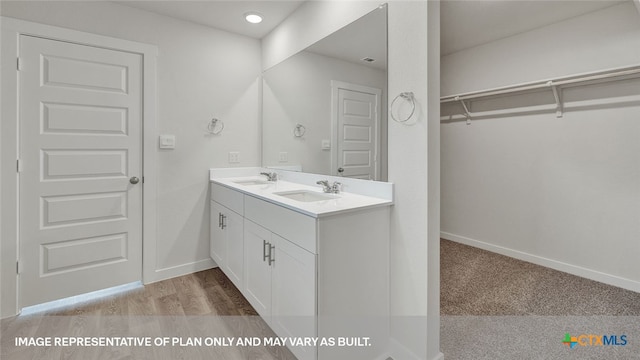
(324, 109)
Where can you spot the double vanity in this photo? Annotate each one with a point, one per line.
(311, 258)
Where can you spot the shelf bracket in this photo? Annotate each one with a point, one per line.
(466, 110)
(556, 95)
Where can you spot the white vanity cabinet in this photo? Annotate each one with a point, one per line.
(280, 276)
(279, 279)
(308, 275)
(227, 233)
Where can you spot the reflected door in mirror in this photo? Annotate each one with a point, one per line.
(357, 120)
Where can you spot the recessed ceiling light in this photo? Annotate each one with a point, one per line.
(253, 17)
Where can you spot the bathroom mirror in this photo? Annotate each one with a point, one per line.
(324, 109)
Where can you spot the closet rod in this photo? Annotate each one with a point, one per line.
(545, 84)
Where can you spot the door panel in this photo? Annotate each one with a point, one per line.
(74, 209)
(83, 73)
(78, 253)
(357, 133)
(218, 246)
(73, 119)
(78, 164)
(294, 294)
(80, 143)
(234, 229)
(257, 271)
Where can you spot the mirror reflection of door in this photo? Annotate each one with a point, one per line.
(355, 123)
(298, 91)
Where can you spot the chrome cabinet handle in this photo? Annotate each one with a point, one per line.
(219, 220)
(264, 250)
(340, 170)
(271, 259)
(224, 217)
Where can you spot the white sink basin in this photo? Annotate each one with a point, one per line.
(250, 182)
(306, 195)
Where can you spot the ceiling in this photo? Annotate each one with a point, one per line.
(464, 23)
(223, 15)
(365, 37)
(468, 23)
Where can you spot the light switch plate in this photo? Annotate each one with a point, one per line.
(326, 144)
(283, 157)
(167, 141)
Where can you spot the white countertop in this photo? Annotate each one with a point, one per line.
(344, 201)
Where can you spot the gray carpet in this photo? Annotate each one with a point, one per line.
(479, 282)
(494, 307)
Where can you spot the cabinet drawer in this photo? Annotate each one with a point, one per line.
(298, 228)
(232, 199)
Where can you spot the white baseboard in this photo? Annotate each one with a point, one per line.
(440, 356)
(400, 352)
(180, 270)
(553, 264)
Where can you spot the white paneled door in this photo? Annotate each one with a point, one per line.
(358, 122)
(81, 176)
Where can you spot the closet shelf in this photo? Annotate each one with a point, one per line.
(553, 84)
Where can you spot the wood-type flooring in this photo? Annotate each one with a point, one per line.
(200, 305)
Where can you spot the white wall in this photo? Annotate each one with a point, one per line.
(413, 155)
(298, 90)
(562, 192)
(595, 41)
(414, 168)
(218, 82)
(202, 73)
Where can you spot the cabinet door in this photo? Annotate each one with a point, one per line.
(294, 294)
(257, 271)
(217, 235)
(233, 227)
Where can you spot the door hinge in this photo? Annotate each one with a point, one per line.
(18, 165)
(19, 64)
(18, 267)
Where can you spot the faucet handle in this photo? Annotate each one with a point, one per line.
(336, 187)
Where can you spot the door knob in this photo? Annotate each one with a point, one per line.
(134, 180)
(340, 171)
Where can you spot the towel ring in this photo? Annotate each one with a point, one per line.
(299, 130)
(215, 126)
(406, 96)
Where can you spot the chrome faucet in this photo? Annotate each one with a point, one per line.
(333, 188)
(272, 176)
